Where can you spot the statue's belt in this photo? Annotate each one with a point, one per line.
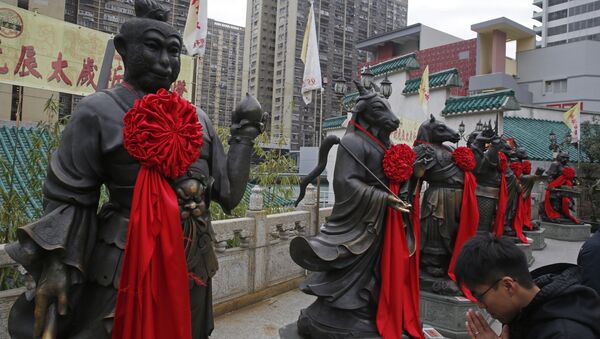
(488, 192)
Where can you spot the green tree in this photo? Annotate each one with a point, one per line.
(274, 173)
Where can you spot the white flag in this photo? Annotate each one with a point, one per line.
(310, 56)
(196, 27)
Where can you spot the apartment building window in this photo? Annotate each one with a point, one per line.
(557, 30)
(583, 24)
(585, 8)
(555, 86)
(557, 15)
(556, 2)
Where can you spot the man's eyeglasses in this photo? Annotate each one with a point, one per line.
(479, 296)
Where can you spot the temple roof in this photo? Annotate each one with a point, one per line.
(445, 78)
(532, 134)
(404, 62)
(491, 101)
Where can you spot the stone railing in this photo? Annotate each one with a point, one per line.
(253, 254)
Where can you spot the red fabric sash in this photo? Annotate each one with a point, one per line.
(502, 198)
(469, 220)
(153, 298)
(398, 307)
(526, 212)
(550, 212)
(518, 220)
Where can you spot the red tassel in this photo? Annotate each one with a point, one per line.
(518, 220)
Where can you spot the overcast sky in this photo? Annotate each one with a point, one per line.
(451, 16)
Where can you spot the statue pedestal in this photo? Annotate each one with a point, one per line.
(526, 248)
(447, 314)
(566, 232)
(538, 237)
(290, 331)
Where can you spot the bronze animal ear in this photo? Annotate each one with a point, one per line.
(361, 89)
(432, 118)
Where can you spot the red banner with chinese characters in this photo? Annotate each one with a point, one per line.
(41, 52)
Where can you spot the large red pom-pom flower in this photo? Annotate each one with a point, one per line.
(568, 173)
(464, 158)
(398, 162)
(517, 168)
(162, 131)
(526, 167)
(502, 163)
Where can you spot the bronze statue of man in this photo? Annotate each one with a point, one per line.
(74, 252)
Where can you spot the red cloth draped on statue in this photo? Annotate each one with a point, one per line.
(517, 223)
(398, 307)
(162, 131)
(469, 211)
(526, 211)
(502, 196)
(566, 178)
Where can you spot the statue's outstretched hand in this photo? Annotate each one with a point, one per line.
(248, 119)
(53, 286)
(398, 204)
(190, 196)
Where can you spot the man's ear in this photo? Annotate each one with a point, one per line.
(120, 46)
(510, 284)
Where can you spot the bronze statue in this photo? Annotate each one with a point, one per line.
(74, 252)
(345, 256)
(559, 202)
(485, 146)
(441, 206)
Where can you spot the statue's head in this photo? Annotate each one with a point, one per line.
(150, 48)
(521, 153)
(563, 157)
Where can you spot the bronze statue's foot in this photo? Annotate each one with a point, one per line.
(442, 286)
(320, 321)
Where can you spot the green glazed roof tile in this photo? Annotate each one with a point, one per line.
(334, 122)
(446, 78)
(405, 62)
(493, 101)
(533, 135)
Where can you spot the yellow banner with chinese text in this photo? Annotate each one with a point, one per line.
(46, 53)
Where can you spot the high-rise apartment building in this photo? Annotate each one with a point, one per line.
(219, 81)
(273, 69)
(566, 21)
(108, 15)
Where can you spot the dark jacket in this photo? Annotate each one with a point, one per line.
(562, 309)
(589, 261)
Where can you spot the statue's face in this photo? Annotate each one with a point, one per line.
(564, 159)
(153, 60)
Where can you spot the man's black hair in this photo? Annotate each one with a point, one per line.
(485, 259)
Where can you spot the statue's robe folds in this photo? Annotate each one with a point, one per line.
(440, 209)
(92, 243)
(345, 255)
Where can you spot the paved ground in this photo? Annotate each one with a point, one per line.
(263, 320)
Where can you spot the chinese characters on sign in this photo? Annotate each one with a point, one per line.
(67, 58)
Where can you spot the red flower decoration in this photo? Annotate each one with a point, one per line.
(568, 173)
(162, 131)
(526, 167)
(502, 163)
(517, 168)
(464, 158)
(398, 162)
